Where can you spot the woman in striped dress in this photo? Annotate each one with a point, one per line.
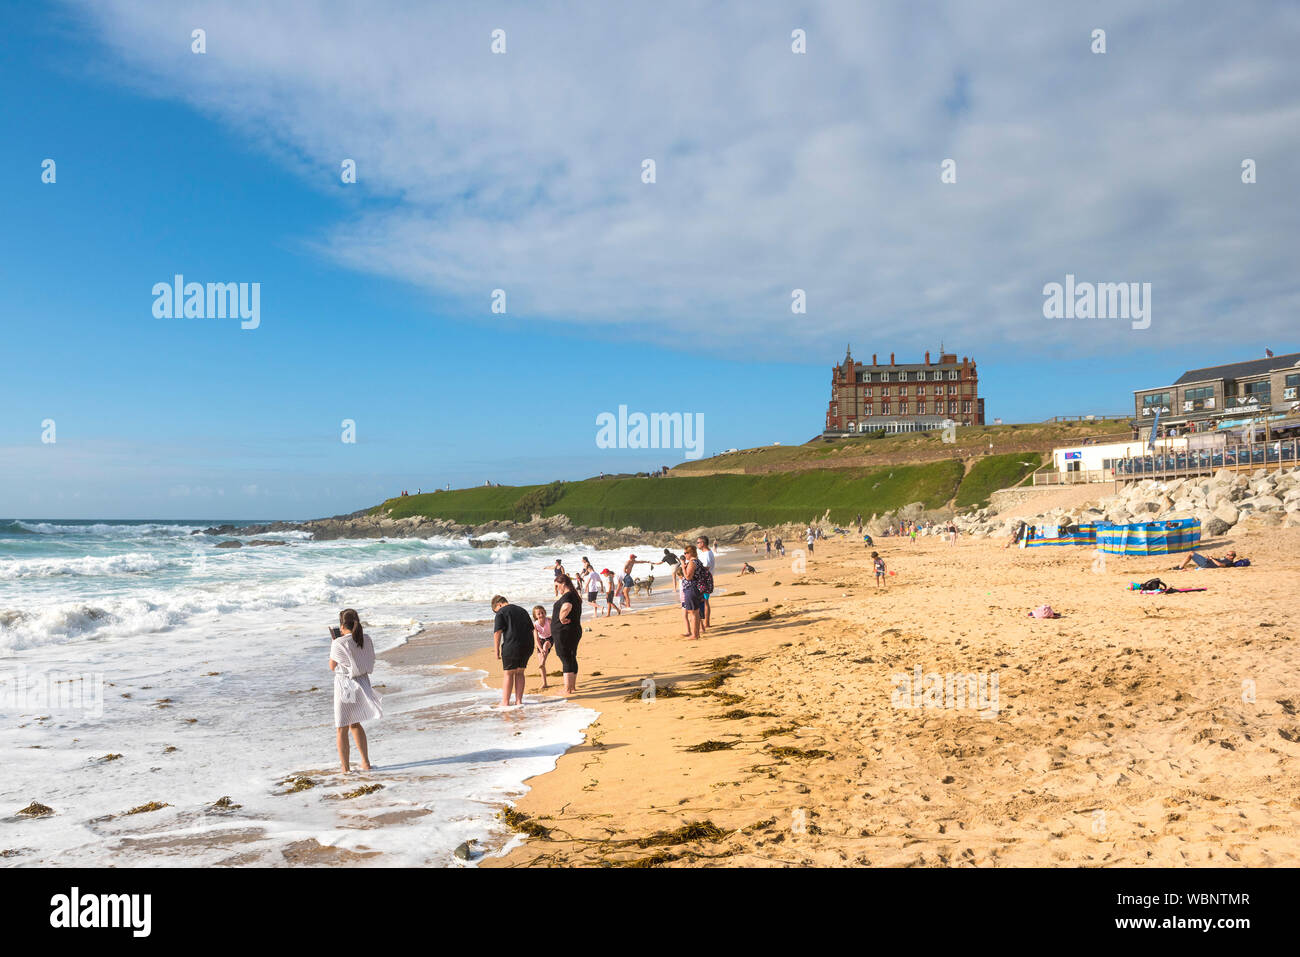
(352, 658)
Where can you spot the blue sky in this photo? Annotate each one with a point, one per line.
(522, 171)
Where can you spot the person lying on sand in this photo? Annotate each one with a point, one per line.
(1201, 561)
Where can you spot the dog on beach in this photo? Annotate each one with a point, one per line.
(643, 585)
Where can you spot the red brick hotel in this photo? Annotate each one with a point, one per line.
(906, 397)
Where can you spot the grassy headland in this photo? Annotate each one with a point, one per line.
(663, 504)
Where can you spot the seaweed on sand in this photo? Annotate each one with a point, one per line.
(691, 831)
(727, 697)
(716, 681)
(773, 732)
(299, 783)
(764, 615)
(224, 803)
(722, 664)
(524, 824)
(737, 714)
(713, 746)
(36, 809)
(146, 808)
(657, 859)
(788, 752)
(362, 791)
(660, 691)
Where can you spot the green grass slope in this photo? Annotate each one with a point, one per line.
(666, 504)
(992, 473)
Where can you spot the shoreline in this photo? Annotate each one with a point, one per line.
(1117, 740)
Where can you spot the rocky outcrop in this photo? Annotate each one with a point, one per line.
(1221, 502)
(539, 531)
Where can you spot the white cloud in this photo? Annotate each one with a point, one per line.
(777, 171)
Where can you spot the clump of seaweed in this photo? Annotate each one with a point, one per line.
(524, 824)
(660, 691)
(737, 714)
(224, 803)
(716, 681)
(773, 732)
(110, 757)
(712, 746)
(788, 752)
(764, 615)
(36, 809)
(722, 664)
(732, 594)
(171, 748)
(300, 783)
(759, 826)
(657, 859)
(146, 808)
(691, 831)
(362, 791)
(726, 697)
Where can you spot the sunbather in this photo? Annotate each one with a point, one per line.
(1201, 561)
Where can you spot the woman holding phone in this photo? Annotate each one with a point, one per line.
(566, 629)
(352, 658)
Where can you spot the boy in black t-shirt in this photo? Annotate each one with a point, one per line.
(512, 637)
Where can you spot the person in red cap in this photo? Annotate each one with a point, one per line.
(627, 581)
(611, 593)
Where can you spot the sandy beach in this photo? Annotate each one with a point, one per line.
(1134, 730)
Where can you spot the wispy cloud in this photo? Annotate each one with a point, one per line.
(775, 171)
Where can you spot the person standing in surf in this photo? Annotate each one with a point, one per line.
(352, 659)
(566, 630)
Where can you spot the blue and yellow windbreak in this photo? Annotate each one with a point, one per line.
(1149, 538)
(1051, 535)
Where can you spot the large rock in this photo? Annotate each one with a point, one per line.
(1227, 514)
(1264, 503)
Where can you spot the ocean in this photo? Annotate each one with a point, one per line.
(140, 665)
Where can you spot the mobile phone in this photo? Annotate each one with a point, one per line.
(335, 632)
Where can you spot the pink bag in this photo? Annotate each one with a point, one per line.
(1043, 611)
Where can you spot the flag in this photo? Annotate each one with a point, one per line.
(1155, 428)
(1269, 353)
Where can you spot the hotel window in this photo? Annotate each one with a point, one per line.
(1154, 400)
(952, 390)
(965, 406)
(1291, 386)
(902, 390)
(920, 390)
(884, 409)
(884, 377)
(867, 392)
(952, 408)
(867, 410)
(936, 375)
(952, 373)
(885, 391)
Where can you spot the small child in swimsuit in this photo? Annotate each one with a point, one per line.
(542, 635)
(879, 564)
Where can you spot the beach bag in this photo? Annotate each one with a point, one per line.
(1154, 584)
(704, 580)
(1241, 563)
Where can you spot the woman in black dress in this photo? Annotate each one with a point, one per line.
(566, 629)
